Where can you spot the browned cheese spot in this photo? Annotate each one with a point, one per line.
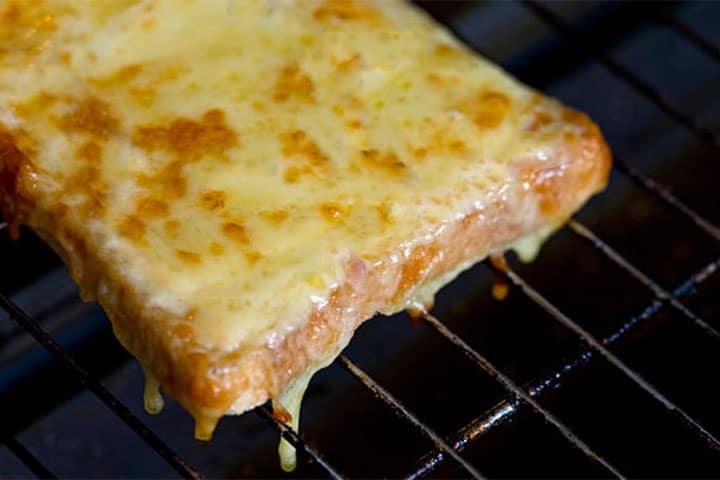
(353, 124)
(444, 50)
(384, 212)
(149, 208)
(213, 200)
(172, 227)
(293, 81)
(306, 156)
(419, 153)
(252, 257)
(188, 137)
(216, 249)
(122, 76)
(188, 257)
(143, 95)
(236, 232)
(348, 65)
(90, 152)
(37, 104)
(168, 182)
(387, 163)
(346, 10)
(133, 229)
(539, 119)
(91, 116)
(275, 216)
(333, 212)
(87, 181)
(488, 110)
(25, 27)
(128, 72)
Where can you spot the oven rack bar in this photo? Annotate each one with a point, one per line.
(710, 49)
(597, 346)
(96, 387)
(402, 412)
(621, 71)
(507, 409)
(660, 293)
(27, 458)
(521, 395)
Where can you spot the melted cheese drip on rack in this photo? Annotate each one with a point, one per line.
(291, 400)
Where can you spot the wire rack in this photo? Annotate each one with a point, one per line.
(519, 397)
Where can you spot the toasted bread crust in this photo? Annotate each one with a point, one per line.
(212, 383)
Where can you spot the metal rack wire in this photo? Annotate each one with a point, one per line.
(519, 396)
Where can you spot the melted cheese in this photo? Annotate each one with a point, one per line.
(152, 399)
(306, 132)
(228, 158)
(291, 401)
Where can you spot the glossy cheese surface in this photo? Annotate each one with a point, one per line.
(231, 156)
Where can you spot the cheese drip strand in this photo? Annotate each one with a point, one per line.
(291, 400)
(151, 397)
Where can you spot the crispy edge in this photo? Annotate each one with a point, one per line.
(18, 177)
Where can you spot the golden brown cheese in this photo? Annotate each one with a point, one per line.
(217, 172)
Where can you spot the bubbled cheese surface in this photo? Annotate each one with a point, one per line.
(231, 155)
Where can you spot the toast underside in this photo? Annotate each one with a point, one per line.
(387, 176)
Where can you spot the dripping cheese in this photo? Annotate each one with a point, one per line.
(240, 184)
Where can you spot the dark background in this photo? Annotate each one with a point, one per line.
(75, 435)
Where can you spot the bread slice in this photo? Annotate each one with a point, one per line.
(240, 184)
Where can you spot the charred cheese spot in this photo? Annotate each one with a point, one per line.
(91, 116)
(188, 257)
(236, 232)
(185, 136)
(488, 110)
(293, 82)
(149, 208)
(213, 200)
